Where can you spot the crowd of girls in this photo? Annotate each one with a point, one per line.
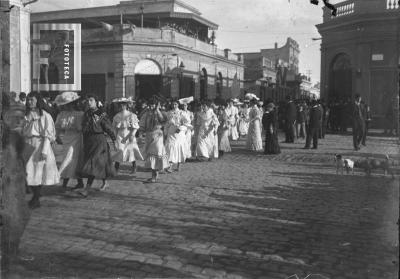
(76, 138)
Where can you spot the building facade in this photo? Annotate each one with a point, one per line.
(273, 73)
(360, 53)
(143, 48)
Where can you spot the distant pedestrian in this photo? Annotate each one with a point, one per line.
(358, 122)
(300, 122)
(368, 119)
(314, 125)
(270, 123)
(290, 120)
(254, 140)
(223, 132)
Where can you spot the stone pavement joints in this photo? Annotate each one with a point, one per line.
(246, 215)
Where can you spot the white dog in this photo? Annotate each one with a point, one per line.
(342, 164)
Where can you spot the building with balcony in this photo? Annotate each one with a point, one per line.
(360, 53)
(151, 47)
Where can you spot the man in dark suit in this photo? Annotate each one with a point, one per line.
(290, 120)
(358, 122)
(314, 125)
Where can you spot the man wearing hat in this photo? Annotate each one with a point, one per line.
(126, 124)
(314, 125)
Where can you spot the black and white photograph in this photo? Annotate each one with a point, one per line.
(208, 139)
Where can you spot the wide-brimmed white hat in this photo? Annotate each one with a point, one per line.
(186, 100)
(121, 100)
(66, 98)
(251, 96)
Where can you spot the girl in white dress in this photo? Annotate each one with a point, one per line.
(126, 124)
(69, 137)
(154, 150)
(175, 129)
(244, 120)
(189, 132)
(208, 124)
(39, 132)
(254, 140)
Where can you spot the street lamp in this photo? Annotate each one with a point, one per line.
(181, 68)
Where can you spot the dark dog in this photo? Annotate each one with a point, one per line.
(374, 164)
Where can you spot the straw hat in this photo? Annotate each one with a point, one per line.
(186, 100)
(66, 98)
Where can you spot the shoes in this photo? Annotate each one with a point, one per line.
(83, 192)
(34, 203)
(77, 186)
(104, 186)
(151, 180)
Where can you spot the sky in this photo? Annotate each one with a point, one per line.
(245, 25)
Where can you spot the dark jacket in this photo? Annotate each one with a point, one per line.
(291, 112)
(315, 117)
(358, 113)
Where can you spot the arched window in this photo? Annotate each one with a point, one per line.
(203, 84)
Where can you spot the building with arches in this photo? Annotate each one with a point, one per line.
(151, 47)
(360, 53)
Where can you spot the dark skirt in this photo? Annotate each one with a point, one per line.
(97, 160)
(271, 144)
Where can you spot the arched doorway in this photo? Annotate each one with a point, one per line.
(341, 80)
(147, 79)
(203, 84)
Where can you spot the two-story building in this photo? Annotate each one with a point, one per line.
(151, 47)
(360, 53)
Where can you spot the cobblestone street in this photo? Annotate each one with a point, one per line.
(247, 215)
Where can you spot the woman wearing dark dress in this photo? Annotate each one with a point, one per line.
(270, 124)
(97, 162)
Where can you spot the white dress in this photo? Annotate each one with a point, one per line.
(232, 114)
(154, 150)
(189, 133)
(124, 123)
(39, 132)
(176, 145)
(69, 153)
(244, 121)
(207, 139)
(254, 140)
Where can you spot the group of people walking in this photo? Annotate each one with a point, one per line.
(91, 143)
(76, 143)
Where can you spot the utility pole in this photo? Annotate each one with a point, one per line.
(141, 15)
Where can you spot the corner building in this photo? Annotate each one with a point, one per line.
(143, 48)
(360, 53)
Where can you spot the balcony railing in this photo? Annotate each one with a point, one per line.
(356, 7)
(151, 35)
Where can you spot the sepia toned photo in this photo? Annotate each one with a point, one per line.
(223, 139)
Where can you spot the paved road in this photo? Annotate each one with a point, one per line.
(246, 215)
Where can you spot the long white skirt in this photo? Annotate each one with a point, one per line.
(176, 147)
(154, 150)
(40, 172)
(128, 151)
(205, 145)
(69, 154)
(188, 142)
